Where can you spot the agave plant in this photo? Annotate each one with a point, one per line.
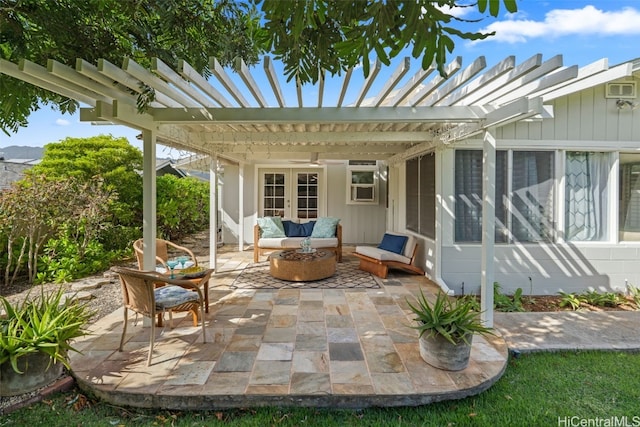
(45, 324)
(453, 318)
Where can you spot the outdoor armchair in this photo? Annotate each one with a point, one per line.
(162, 252)
(141, 294)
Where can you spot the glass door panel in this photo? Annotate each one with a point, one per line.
(274, 199)
(306, 195)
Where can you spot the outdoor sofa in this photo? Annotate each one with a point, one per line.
(275, 233)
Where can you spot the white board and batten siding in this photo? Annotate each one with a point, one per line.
(585, 120)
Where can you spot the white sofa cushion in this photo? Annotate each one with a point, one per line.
(381, 254)
(294, 242)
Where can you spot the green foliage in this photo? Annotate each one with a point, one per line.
(39, 30)
(507, 303)
(182, 206)
(63, 260)
(114, 160)
(45, 324)
(570, 300)
(605, 299)
(453, 318)
(337, 35)
(634, 291)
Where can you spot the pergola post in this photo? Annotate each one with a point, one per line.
(213, 213)
(488, 226)
(241, 207)
(149, 222)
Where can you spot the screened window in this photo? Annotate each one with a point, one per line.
(532, 196)
(586, 202)
(468, 196)
(629, 197)
(531, 183)
(421, 195)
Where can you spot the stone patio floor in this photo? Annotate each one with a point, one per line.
(338, 348)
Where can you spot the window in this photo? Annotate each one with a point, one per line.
(586, 202)
(531, 196)
(468, 196)
(629, 214)
(421, 195)
(307, 195)
(363, 185)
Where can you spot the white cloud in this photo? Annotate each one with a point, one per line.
(63, 122)
(587, 21)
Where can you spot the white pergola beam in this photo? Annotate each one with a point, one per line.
(452, 84)
(319, 149)
(373, 73)
(164, 71)
(426, 90)
(273, 80)
(11, 69)
(345, 85)
(393, 81)
(78, 92)
(405, 91)
(309, 137)
(189, 73)
(315, 115)
(159, 85)
(490, 75)
(248, 80)
(225, 80)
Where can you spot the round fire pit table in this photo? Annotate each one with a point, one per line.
(297, 266)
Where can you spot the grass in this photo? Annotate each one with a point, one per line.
(536, 389)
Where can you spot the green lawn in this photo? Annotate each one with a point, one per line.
(538, 389)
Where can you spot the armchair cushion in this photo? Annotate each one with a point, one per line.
(325, 227)
(172, 296)
(271, 227)
(393, 243)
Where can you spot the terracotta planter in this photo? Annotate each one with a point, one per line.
(441, 354)
(37, 373)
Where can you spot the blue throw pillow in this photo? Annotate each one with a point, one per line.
(308, 228)
(393, 243)
(325, 227)
(271, 227)
(296, 230)
(286, 224)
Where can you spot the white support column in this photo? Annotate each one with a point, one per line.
(488, 226)
(241, 207)
(213, 213)
(149, 223)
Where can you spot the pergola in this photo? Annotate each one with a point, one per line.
(241, 115)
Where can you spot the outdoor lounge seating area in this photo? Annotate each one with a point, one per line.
(338, 348)
(274, 233)
(394, 251)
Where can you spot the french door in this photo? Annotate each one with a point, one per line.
(291, 193)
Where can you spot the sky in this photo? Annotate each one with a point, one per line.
(581, 31)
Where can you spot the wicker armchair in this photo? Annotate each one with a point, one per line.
(141, 295)
(162, 252)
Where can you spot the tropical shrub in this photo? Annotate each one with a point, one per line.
(508, 303)
(182, 206)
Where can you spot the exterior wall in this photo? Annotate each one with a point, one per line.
(361, 224)
(583, 121)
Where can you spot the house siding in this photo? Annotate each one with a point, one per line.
(582, 121)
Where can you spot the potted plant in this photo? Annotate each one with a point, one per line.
(35, 338)
(446, 329)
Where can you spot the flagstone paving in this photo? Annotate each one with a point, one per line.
(340, 348)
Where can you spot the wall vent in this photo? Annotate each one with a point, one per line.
(621, 90)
